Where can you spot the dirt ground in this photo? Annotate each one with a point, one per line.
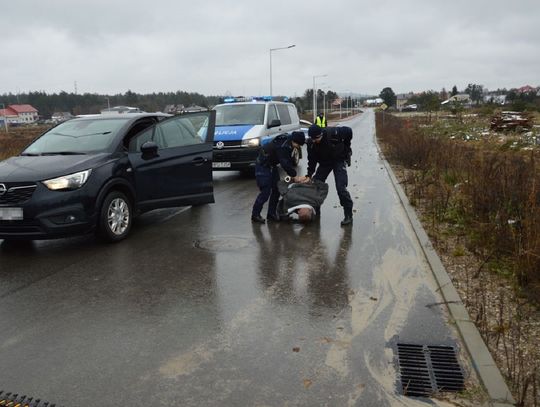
(507, 321)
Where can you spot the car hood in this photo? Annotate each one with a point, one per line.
(33, 169)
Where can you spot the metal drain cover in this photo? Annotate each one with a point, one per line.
(222, 243)
(428, 369)
(10, 399)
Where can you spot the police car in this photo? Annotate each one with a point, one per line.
(243, 126)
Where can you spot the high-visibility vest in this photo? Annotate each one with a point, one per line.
(320, 122)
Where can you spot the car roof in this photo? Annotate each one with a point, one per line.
(255, 102)
(118, 116)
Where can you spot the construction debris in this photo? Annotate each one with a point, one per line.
(511, 121)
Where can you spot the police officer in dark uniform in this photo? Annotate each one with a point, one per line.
(278, 152)
(330, 148)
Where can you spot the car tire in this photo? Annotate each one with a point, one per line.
(115, 217)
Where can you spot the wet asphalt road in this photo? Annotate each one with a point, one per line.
(201, 308)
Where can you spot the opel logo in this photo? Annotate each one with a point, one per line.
(220, 144)
(3, 189)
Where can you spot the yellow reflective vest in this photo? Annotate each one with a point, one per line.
(320, 122)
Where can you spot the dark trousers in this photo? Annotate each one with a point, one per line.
(341, 178)
(267, 179)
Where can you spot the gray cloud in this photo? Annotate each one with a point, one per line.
(215, 47)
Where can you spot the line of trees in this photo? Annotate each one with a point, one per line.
(89, 103)
(431, 100)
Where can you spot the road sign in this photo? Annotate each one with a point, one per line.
(384, 106)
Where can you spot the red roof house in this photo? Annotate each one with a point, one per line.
(19, 114)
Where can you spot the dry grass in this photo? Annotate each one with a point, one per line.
(13, 142)
(479, 201)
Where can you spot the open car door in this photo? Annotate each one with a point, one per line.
(172, 161)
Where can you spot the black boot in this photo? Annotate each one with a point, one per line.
(348, 218)
(257, 219)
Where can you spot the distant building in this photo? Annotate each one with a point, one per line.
(463, 98)
(402, 99)
(496, 99)
(121, 109)
(19, 114)
(527, 89)
(194, 108)
(173, 109)
(58, 117)
(373, 102)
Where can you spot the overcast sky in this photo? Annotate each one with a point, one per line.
(218, 47)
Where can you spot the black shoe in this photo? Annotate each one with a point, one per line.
(273, 218)
(347, 221)
(257, 219)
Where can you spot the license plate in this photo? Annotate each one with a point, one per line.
(11, 214)
(221, 164)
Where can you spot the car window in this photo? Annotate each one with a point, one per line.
(272, 113)
(293, 113)
(284, 115)
(177, 132)
(136, 142)
(236, 115)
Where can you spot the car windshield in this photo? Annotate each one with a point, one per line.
(77, 137)
(235, 115)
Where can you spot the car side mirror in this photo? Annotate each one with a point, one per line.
(274, 123)
(149, 150)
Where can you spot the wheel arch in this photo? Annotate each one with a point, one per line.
(116, 185)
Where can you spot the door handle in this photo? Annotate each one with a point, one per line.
(199, 160)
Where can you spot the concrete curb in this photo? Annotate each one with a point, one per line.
(481, 358)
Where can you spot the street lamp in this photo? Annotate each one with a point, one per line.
(5, 117)
(315, 96)
(108, 105)
(275, 49)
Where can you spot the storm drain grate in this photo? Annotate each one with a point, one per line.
(15, 400)
(425, 370)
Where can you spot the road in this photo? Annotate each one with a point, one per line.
(198, 307)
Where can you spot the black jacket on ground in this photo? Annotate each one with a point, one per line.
(278, 151)
(334, 146)
(312, 193)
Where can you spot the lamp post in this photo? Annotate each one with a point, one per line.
(5, 117)
(270, 52)
(108, 105)
(315, 95)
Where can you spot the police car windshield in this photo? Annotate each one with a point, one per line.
(236, 115)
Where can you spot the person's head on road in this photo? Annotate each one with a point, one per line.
(305, 214)
(298, 139)
(321, 115)
(315, 133)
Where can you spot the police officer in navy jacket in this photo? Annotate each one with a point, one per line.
(277, 152)
(330, 149)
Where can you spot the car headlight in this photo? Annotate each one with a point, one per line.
(251, 142)
(71, 181)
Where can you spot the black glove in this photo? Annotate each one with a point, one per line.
(348, 159)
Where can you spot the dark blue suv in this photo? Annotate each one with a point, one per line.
(96, 173)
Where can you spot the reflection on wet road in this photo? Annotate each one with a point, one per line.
(201, 307)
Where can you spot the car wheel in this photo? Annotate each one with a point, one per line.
(116, 217)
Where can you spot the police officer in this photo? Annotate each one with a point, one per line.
(330, 148)
(320, 120)
(278, 152)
